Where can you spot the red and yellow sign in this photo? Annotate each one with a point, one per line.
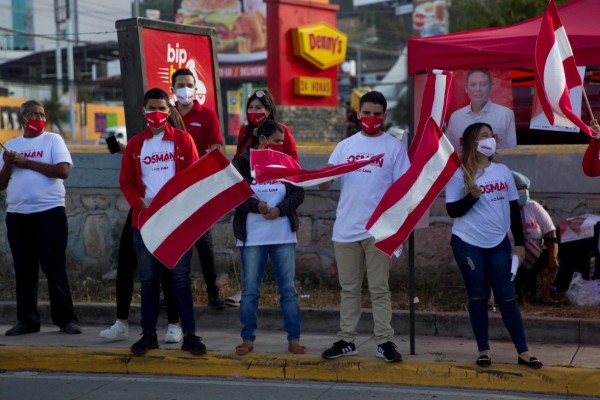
(305, 86)
(320, 44)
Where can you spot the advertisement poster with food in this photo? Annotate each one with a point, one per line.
(430, 18)
(166, 52)
(241, 26)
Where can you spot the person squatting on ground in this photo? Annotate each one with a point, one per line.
(140, 182)
(539, 231)
(126, 267)
(355, 251)
(482, 199)
(33, 168)
(266, 226)
(202, 124)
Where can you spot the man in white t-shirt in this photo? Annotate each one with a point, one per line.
(481, 109)
(355, 249)
(33, 167)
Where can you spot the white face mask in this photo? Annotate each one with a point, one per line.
(487, 147)
(185, 95)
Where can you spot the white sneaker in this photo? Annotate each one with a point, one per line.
(118, 331)
(174, 334)
(233, 300)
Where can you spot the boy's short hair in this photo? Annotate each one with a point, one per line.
(374, 97)
(156, 94)
(181, 72)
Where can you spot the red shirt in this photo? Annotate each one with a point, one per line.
(203, 124)
(130, 179)
(289, 144)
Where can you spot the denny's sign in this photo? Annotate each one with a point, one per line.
(320, 44)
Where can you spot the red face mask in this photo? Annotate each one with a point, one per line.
(156, 119)
(276, 147)
(371, 125)
(257, 118)
(35, 126)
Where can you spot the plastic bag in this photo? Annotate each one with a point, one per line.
(582, 292)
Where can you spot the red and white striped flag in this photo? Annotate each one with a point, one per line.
(436, 97)
(189, 204)
(433, 161)
(556, 72)
(271, 165)
(402, 206)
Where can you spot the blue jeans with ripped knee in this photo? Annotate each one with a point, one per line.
(480, 267)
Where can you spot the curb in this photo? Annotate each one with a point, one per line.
(450, 324)
(558, 380)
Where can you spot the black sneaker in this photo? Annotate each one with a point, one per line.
(147, 342)
(340, 349)
(216, 303)
(21, 329)
(71, 328)
(388, 352)
(193, 344)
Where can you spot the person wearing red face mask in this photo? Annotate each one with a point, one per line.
(265, 226)
(33, 167)
(355, 251)
(261, 107)
(151, 158)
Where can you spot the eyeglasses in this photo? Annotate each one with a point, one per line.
(260, 94)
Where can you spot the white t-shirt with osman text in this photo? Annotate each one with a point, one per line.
(29, 191)
(361, 190)
(487, 223)
(263, 231)
(158, 164)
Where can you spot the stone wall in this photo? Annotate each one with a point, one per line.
(311, 124)
(96, 211)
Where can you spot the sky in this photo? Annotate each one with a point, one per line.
(96, 20)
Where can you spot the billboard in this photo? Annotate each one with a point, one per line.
(165, 52)
(240, 25)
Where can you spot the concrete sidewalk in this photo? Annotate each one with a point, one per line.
(570, 368)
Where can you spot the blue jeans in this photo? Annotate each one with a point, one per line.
(150, 276)
(480, 267)
(254, 261)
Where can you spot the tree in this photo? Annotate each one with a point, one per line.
(472, 14)
(54, 113)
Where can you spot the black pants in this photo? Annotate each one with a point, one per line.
(206, 255)
(126, 266)
(40, 240)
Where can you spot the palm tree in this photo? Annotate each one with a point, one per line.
(54, 113)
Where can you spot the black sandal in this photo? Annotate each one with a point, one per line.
(532, 363)
(484, 361)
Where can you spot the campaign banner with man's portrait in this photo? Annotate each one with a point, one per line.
(577, 228)
(482, 95)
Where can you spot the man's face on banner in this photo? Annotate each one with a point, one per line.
(478, 88)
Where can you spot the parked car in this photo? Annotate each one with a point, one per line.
(120, 132)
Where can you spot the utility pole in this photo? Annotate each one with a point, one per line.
(60, 16)
(136, 8)
(71, 67)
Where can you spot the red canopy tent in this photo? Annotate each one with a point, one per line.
(508, 47)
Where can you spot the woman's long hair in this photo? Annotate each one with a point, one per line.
(175, 118)
(469, 157)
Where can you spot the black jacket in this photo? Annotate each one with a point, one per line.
(293, 198)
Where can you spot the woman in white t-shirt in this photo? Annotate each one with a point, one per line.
(482, 197)
(265, 226)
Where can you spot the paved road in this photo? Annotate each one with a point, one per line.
(64, 386)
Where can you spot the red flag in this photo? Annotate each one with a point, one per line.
(271, 165)
(556, 72)
(436, 96)
(402, 206)
(189, 204)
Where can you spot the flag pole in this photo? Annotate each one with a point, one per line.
(4, 147)
(411, 237)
